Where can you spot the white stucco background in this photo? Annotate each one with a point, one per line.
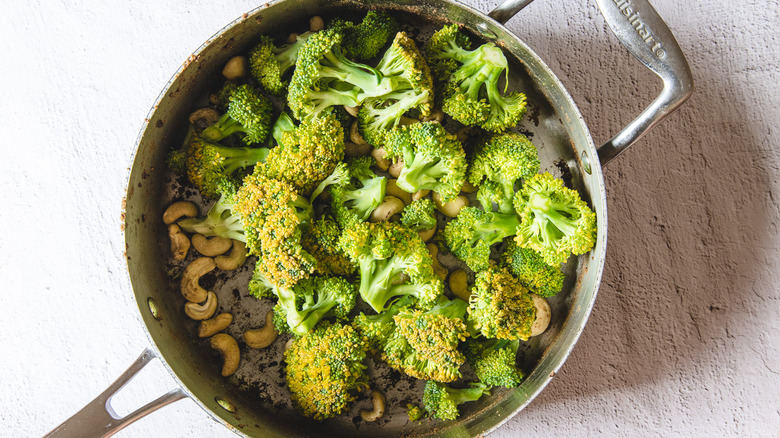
(684, 339)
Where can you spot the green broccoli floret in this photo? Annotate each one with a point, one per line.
(500, 306)
(284, 123)
(424, 344)
(414, 412)
(442, 402)
(378, 329)
(433, 159)
(176, 160)
(364, 41)
(259, 286)
(223, 95)
(269, 64)
(412, 91)
(312, 299)
(307, 154)
(209, 163)
(419, 215)
(555, 221)
(321, 239)
(324, 369)
(471, 93)
(503, 160)
(272, 214)
(384, 251)
(221, 219)
(356, 192)
(532, 271)
(494, 361)
(473, 231)
(248, 113)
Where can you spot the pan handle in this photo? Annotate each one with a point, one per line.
(98, 418)
(643, 32)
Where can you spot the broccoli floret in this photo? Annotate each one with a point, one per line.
(284, 123)
(312, 299)
(414, 412)
(320, 240)
(248, 113)
(176, 160)
(412, 90)
(555, 221)
(324, 368)
(500, 306)
(269, 64)
(503, 160)
(223, 95)
(442, 402)
(532, 271)
(356, 192)
(445, 49)
(494, 361)
(209, 163)
(307, 154)
(272, 214)
(384, 251)
(472, 233)
(378, 329)
(433, 159)
(364, 41)
(424, 344)
(221, 219)
(419, 215)
(259, 286)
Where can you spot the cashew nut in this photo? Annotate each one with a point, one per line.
(292, 38)
(416, 196)
(199, 312)
(289, 343)
(179, 209)
(189, 281)
(228, 348)
(378, 404)
(427, 235)
(180, 244)
(436, 116)
(211, 246)
(440, 270)
(459, 284)
(451, 208)
(316, 23)
(234, 259)
(235, 68)
(391, 188)
(396, 168)
(352, 110)
(210, 327)
(543, 315)
(468, 187)
(380, 156)
(203, 118)
(262, 337)
(354, 134)
(356, 150)
(389, 207)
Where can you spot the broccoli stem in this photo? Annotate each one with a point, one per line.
(545, 206)
(420, 173)
(497, 228)
(219, 221)
(224, 127)
(460, 396)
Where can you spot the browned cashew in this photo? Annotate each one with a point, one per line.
(451, 208)
(234, 260)
(354, 134)
(262, 337)
(459, 284)
(380, 156)
(180, 244)
(203, 118)
(189, 280)
(235, 68)
(396, 168)
(416, 196)
(179, 209)
(211, 246)
(389, 207)
(543, 315)
(316, 24)
(440, 270)
(292, 38)
(352, 110)
(436, 116)
(392, 189)
(468, 187)
(356, 150)
(378, 405)
(210, 327)
(427, 234)
(199, 312)
(289, 343)
(228, 348)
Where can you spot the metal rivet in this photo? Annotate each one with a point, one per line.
(585, 162)
(485, 31)
(153, 308)
(226, 405)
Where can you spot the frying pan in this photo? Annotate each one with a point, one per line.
(254, 402)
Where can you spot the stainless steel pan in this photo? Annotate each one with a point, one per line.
(252, 402)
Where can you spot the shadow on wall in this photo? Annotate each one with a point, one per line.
(691, 215)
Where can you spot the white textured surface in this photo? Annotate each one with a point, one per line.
(684, 340)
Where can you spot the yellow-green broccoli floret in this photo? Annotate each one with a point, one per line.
(474, 231)
(378, 329)
(364, 41)
(494, 361)
(312, 299)
(220, 220)
(414, 412)
(555, 221)
(501, 163)
(268, 64)
(442, 402)
(321, 239)
(209, 163)
(500, 307)
(324, 369)
(355, 191)
(419, 215)
(433, 159)
(532, 271)
(248, 113)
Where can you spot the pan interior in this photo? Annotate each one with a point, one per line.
(257, 394)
